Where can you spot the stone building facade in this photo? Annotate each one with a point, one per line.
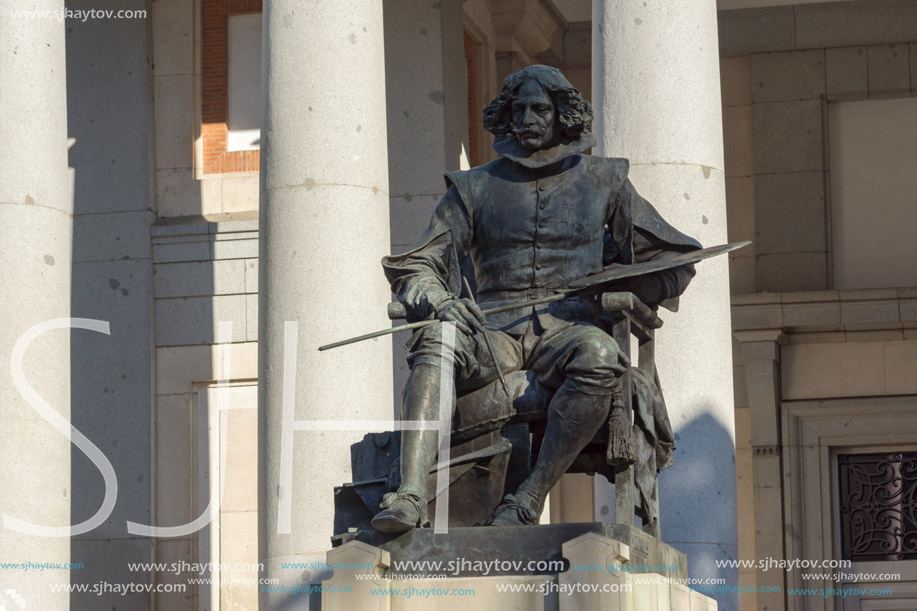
(199, 215)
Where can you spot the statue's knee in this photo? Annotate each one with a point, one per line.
(427, 340)
(431, 334)
(598, 348)
(427, 347)
(594, 366)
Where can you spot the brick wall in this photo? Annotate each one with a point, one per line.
(215, 88)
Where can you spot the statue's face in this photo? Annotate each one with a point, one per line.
(533, 116)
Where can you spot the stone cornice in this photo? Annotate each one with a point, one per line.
(526, 27)
(777, 336)
(845, 310)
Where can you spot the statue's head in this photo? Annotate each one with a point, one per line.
(540, 107)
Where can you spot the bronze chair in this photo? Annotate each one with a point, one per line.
(499, 438)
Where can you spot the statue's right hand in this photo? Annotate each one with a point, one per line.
(465, 313)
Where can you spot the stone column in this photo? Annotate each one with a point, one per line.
(324, 227)
(35, 253)
(761, 352)
(427, 121)
(656, 92)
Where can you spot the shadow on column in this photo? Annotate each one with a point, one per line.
(698, 501)
(108, 106)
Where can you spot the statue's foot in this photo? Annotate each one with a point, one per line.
(512, 513)
(401, 511)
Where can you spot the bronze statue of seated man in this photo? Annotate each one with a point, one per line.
(533, 221)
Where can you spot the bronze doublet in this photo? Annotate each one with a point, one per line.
(537, 228)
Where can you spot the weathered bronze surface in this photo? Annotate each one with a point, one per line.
(540, 218)
(593, 283)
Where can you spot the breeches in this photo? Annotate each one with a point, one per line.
(580, 355)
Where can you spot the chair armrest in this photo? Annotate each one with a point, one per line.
(670, 304)
(396, 311)
(630, 304)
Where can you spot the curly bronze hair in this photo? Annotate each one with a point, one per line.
(574, 113)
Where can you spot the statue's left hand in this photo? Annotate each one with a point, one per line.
(465, 313)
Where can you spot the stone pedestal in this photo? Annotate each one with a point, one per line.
(537, 568)
(540, 543)
(595, 590)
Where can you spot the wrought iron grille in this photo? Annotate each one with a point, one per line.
(878, 506)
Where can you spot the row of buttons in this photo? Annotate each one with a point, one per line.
(541, 225)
